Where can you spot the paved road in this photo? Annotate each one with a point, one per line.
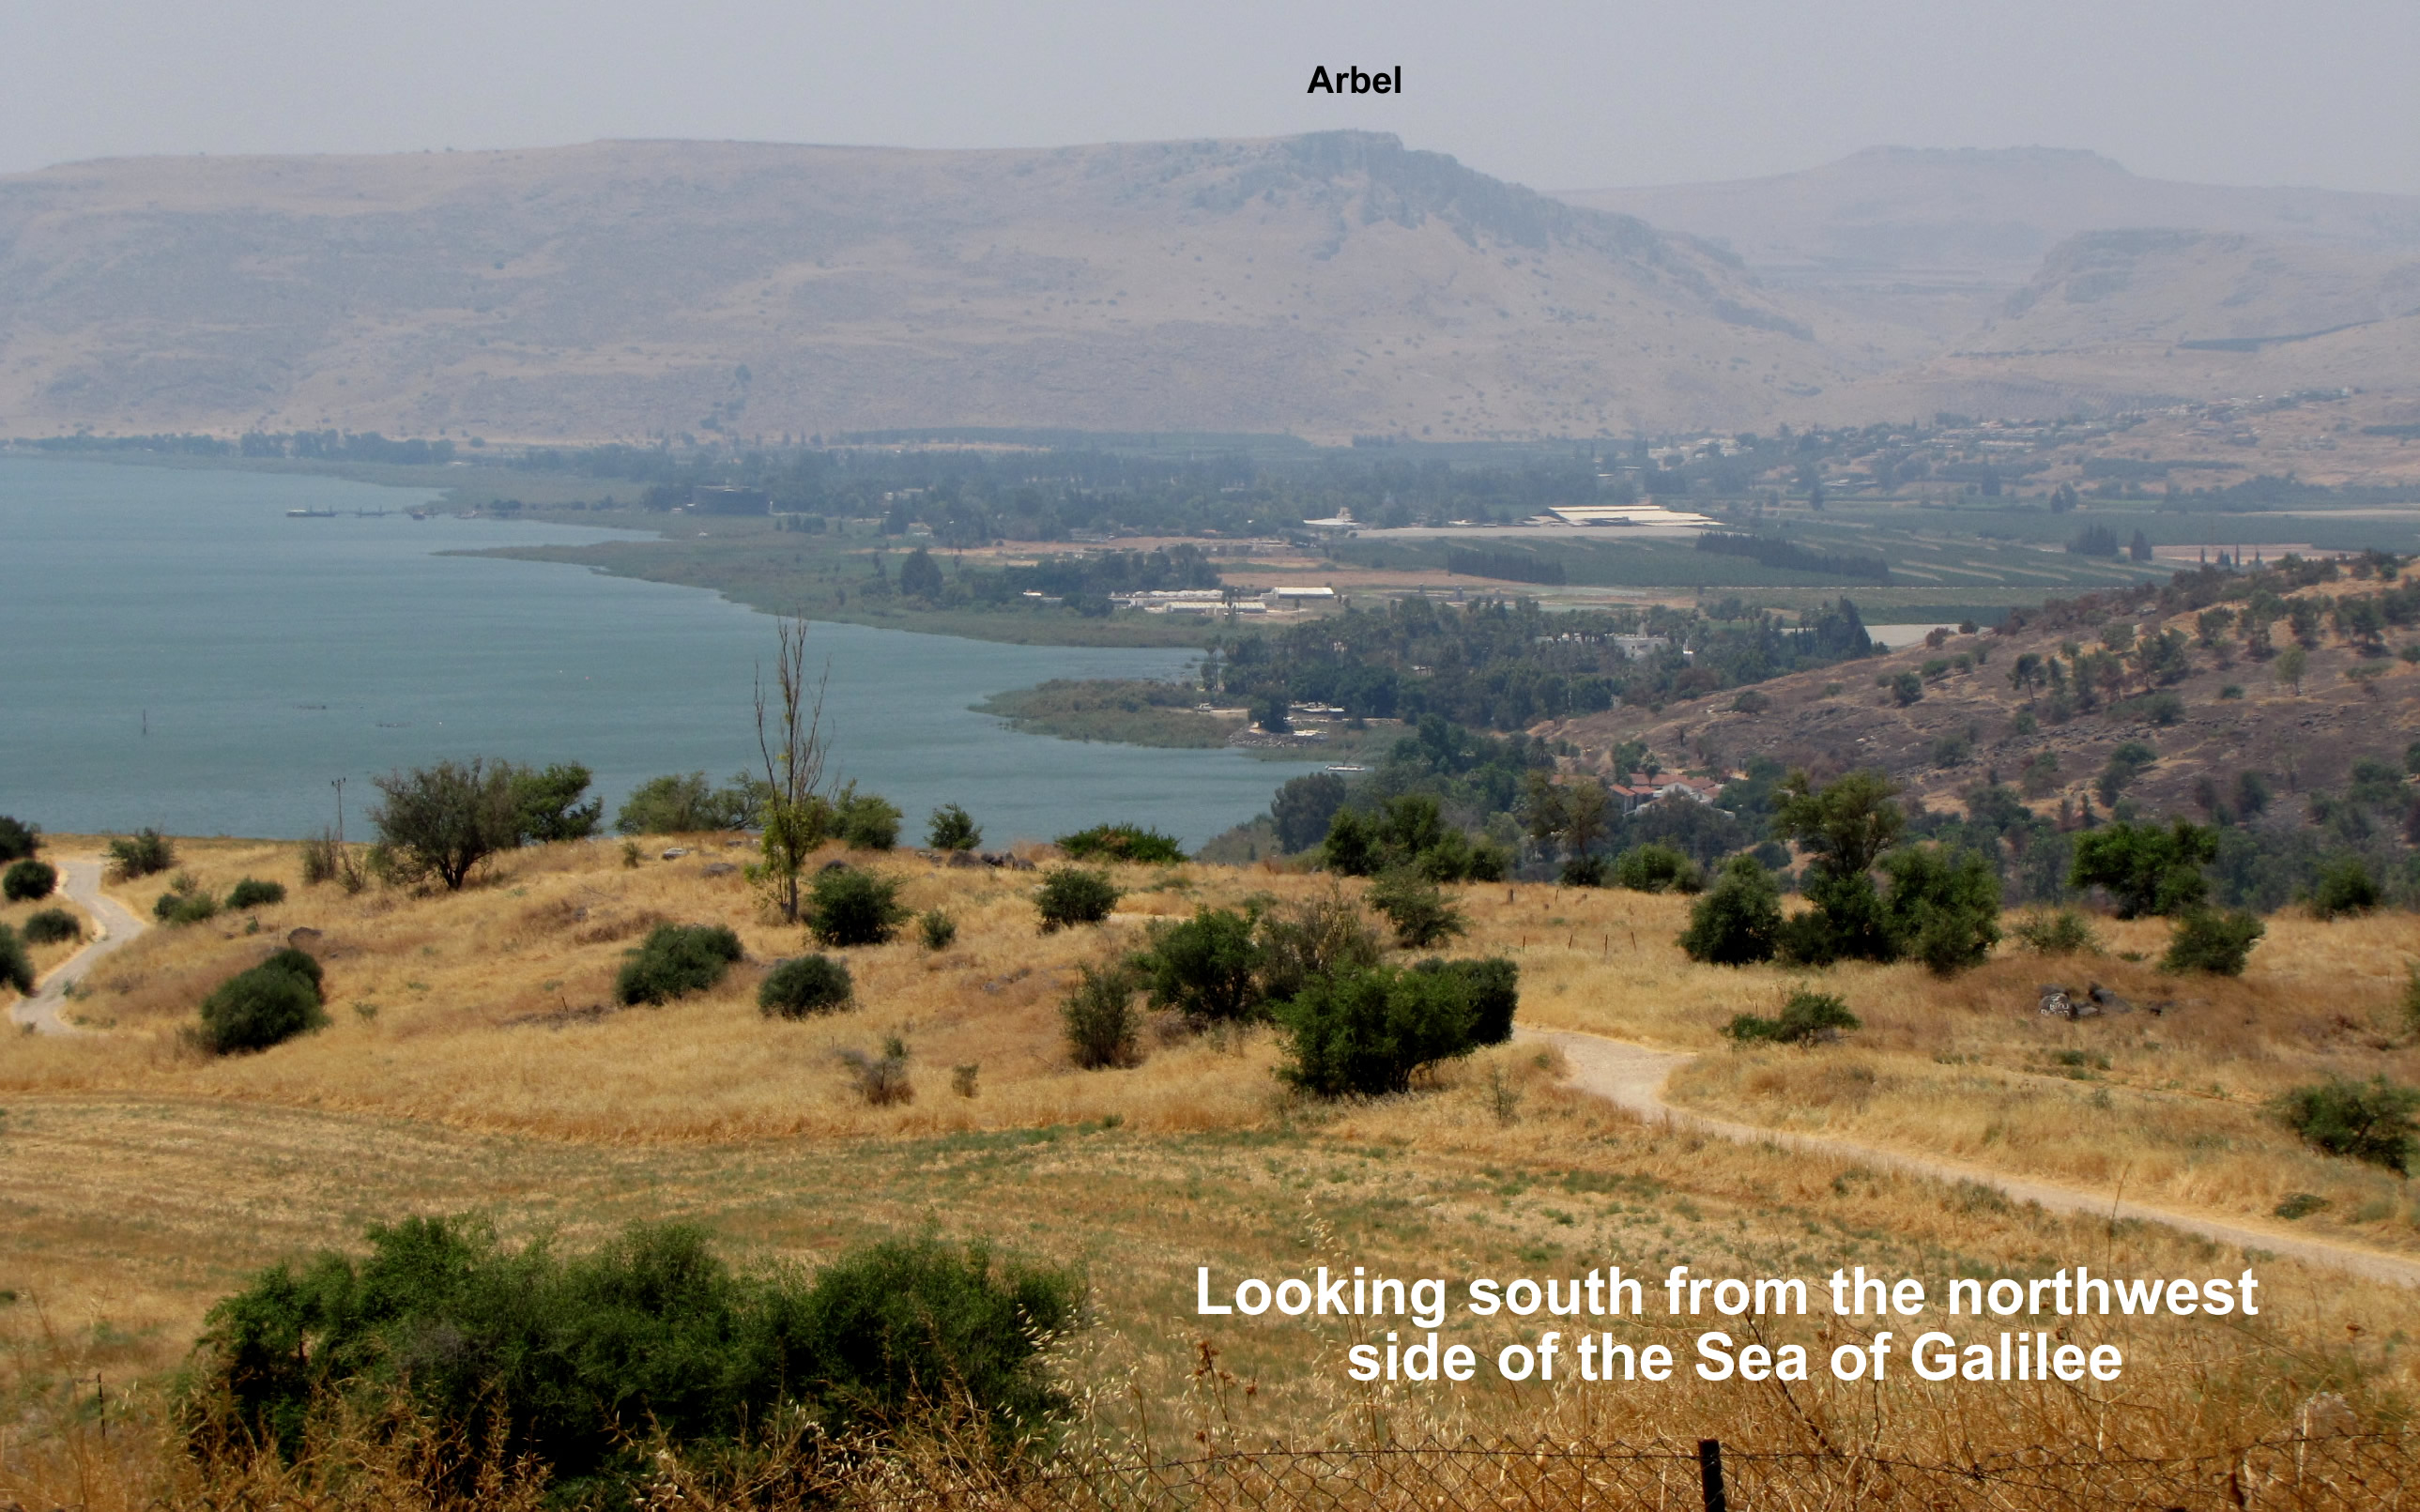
(80, 879)
(1632, 1076)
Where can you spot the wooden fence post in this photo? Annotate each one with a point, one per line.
(1710, 1474)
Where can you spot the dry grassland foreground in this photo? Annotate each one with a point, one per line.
(474, 1064)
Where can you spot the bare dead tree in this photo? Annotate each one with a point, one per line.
(790, 738)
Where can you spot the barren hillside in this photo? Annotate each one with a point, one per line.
(1326, 284)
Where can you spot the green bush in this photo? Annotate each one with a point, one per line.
(1583, 871)
(1205, 968)
(2207, 940)
(1071, 896)
(1848, 923)
(2368, 1122)
(253, 893)
(952, 828)
(678, 804)
(144, 853)
(1494, 985)
(1099, 1020)
(2146, 869)
(1806, 1018)
(16, 969)
(2057, 932)
(19, 840)
(2344, 887)
(675, 960)
(1418, 909)
(1368, 1032)
(576, 1363)
(865, 821)
(1121, 843)
(937, 928)
(547, 805)
(301, 963)
(184, 902)
(803, 985)
(265, 1005)
(28, 881)
(1942, 907)
(849, 905)
(1655, 867)
(1315, 938)
(49, 926)
(1738, 920)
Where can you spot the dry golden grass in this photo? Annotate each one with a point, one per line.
(44, 956)
(143, 1181)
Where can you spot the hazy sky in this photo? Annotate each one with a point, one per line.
(1553, 95)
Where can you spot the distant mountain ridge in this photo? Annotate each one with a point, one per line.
(1329, 285)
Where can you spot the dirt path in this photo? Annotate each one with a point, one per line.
(80, 879)
(1632, 1076)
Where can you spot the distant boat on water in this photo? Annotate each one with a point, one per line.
(310, 514)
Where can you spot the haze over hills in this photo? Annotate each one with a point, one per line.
(2034, 281)
(1327, 285)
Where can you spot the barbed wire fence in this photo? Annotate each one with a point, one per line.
(2348, 1471)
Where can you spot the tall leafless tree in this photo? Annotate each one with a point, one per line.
(790, 738)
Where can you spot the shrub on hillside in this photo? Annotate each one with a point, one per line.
(265, 1005)
(1806, 1018)
(1205, 968)
(442, 820)
(2146, 869)
(16, 968)
(574, 1362)
(1121, 843)
(1099, 1020)
(952, 828)
(1367, 1033)
(674, 961)
(184, 902)
(2208, 940)
(864, 821)
(2344, 887)
(1583, 871)
(1316, 937)
(144, 853)
(250, 893)
(682, 805)
(1071, 896)
(803, 985)
(49, 926)
(28, 881)
(546, 804)
(881, 1080)
(1409, 833)
(1942, 907)
(937, 928)
(1417, 907)
(849, 905)
(1655, 867)
(18, 840)
(2057, 932)
(1737, 921)
(2367, 1122)
(1494, 985)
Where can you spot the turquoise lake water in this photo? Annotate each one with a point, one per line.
(270, 655)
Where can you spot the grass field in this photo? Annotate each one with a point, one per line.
(474, 1066)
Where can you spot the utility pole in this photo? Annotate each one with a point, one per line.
(338, 784)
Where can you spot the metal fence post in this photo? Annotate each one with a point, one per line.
(1710, 1474)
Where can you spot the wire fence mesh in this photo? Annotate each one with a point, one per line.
(2341, 1471)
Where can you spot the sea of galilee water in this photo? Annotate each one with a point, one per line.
(176, 652)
